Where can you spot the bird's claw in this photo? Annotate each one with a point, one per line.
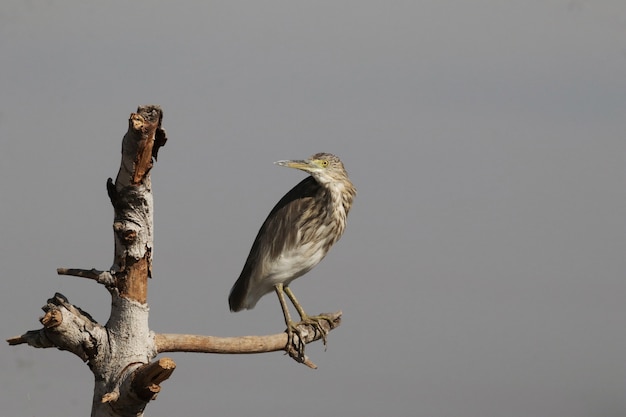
(316, 323)
(295, 345)
(296, 336)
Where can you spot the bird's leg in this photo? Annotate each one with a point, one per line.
(295, 349)
(296, 304)
(314, 321)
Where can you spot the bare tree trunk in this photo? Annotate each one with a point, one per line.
(120, 353)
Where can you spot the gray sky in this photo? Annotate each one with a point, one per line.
(482, 270)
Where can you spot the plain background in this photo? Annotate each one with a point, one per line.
(482, 270)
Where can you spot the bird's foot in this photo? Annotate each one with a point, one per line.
(295, 345)
(309, 328)
(316, 323)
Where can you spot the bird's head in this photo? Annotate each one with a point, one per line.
(324, 167)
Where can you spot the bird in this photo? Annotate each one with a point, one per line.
(296, 235)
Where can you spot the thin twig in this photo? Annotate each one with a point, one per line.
(101, 277)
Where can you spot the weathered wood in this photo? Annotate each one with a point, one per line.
(147, 379)
(101, 277)
(245, 344)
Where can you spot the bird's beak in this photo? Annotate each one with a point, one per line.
(304, 165)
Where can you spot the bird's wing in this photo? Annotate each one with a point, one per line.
(278, 233)
(280, 229)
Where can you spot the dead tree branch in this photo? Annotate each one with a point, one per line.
(120, 353)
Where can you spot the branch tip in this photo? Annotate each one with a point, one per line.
(146, 379)
(110, 397)
(308, 363)
(101, 277)
(52, 318)
(16, 340)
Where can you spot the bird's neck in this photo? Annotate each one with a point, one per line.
(340, 199)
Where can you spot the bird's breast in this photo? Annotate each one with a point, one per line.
(296, 262)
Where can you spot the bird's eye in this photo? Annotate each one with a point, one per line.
(324, 163)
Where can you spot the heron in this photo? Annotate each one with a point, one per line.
(295, 237)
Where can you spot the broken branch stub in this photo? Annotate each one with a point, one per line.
(131, 196)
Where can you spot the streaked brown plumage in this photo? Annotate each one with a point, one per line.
(296, 235)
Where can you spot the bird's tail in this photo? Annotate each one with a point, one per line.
(237, 297)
